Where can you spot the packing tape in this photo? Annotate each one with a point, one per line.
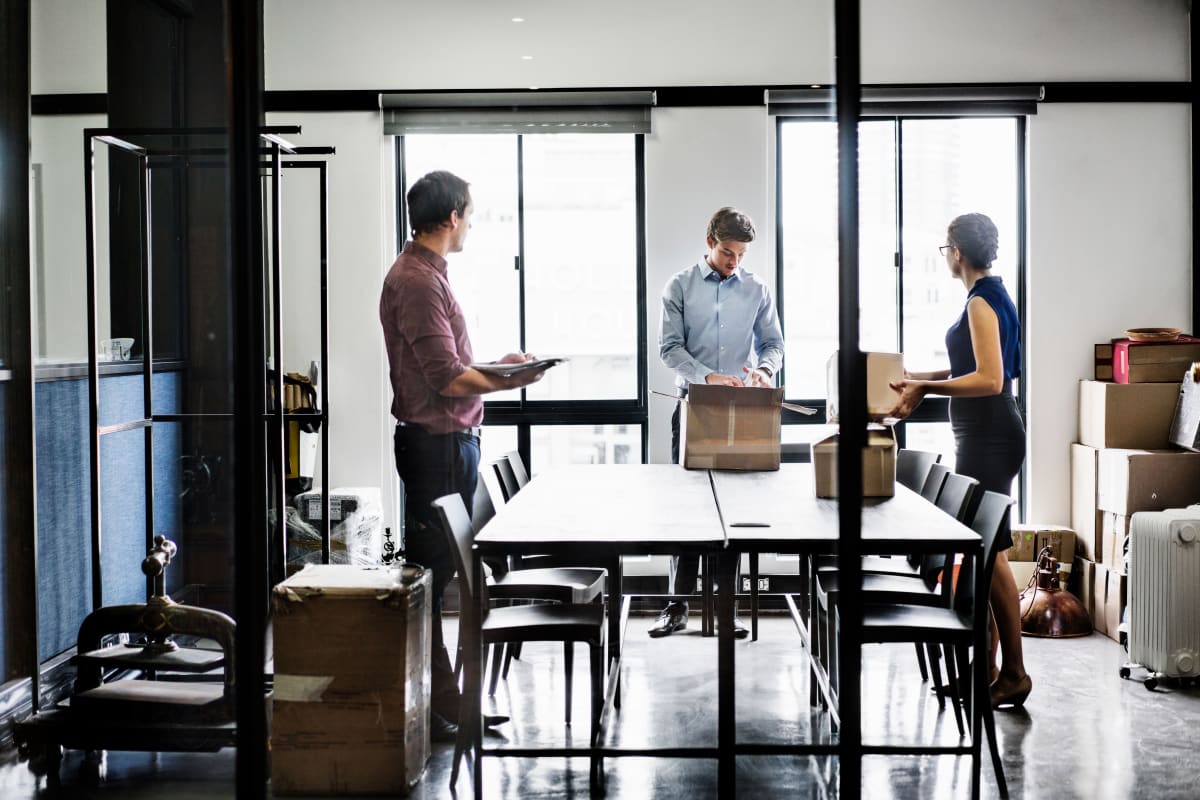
(301, 688)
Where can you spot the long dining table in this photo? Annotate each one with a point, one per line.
(600, 513)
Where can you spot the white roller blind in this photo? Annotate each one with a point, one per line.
(517, 112)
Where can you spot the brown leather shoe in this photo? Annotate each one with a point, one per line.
(1011, 694)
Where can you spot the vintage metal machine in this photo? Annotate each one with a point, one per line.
(155, 676)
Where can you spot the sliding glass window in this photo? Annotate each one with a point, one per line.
(915, 176)
(552, 266)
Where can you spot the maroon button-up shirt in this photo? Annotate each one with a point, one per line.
(427, 343)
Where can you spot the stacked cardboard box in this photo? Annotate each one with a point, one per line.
(1028, 541)
(1121, 465)
(350, 707)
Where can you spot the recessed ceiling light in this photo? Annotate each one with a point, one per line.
(527, 58)
(518, 19)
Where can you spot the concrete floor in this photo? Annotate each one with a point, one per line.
(1085, 734)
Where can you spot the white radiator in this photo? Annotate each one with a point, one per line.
(1164, 591)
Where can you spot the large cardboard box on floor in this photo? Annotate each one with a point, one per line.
(730, 427)
(1142, 480)
(1114, 532)
(883, 369)
(879, 464)
(1028, 541)
(1085, 509)
(1109, 593)
(1126, 414)
(350, 709)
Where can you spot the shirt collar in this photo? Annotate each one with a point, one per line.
(711, 274)
(425, 254)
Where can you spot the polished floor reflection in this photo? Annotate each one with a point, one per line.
(1085, 734)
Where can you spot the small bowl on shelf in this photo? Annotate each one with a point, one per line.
(1152, 334)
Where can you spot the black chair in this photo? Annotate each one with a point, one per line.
(568, 623)
(912, 467)
(954, 627)
(933, 483)
(514, 582)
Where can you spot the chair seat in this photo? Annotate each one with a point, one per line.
(545, 623)
(573, 585)
(907, 623)
(880, 565)
(884, 589)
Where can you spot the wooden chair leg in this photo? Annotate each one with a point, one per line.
(596, 651)
(509, 655)
(989, 727)
(956, 693)
(569, 667)
(935, 672)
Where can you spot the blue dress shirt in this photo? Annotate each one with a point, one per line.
(712, 325)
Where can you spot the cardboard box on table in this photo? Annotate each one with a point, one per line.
(879, 464)
(1086, 516)
(350, 709)
(730, 427)
(1153, 362)
(1126, 414)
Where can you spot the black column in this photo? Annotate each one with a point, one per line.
(244, 59)
(18, 511)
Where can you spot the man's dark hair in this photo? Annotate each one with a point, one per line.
(730, 225)
(433, 197)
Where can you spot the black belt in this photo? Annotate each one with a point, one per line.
(474, 430)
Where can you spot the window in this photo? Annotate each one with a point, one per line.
(915, 175)
(552, 266)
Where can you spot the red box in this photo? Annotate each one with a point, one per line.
(1153, 362)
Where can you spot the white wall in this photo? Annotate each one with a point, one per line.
(67, 52)
(1110, 237)
(691, 171)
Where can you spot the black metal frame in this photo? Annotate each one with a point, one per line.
(148, 159)
(524, 414)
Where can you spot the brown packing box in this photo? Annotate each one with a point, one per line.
(1028, 541)
(1114, 530)
(730, 427)
(1109, 588)
(879, 464)
(1085, 511)
(1083, 584)
(1129, 481)
(350, 707)
(883, 369)
(1153, 362)
(1126, 414)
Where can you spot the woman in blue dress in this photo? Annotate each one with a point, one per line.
(985, 356)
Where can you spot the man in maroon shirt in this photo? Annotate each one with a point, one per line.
(436, 396)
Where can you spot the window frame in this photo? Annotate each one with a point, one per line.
(525, 414)
(932, 409)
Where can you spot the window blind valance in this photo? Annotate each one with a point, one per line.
(517, 112)
(925, 101)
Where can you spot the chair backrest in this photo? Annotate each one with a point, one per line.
(518, 468)
(490, 479)
(933, 483)
(991, 522)
(482, 509)
(456, 525)
(508, 479)
(955, 497)
(912, 467)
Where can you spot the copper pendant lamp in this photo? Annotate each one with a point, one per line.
(1049, 610)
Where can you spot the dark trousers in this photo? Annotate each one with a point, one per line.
(684, 569)
(431, 466)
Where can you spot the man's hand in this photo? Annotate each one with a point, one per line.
(515, 358)
(722, 380)
(756, 378)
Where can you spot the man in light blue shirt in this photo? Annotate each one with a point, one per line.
(719, 325)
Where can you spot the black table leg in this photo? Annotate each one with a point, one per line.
(726, 679)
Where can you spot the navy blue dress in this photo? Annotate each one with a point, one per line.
(989, 435)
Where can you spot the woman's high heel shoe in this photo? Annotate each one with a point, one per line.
(1011, 694)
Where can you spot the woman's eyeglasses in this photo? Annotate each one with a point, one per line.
(943, 249)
